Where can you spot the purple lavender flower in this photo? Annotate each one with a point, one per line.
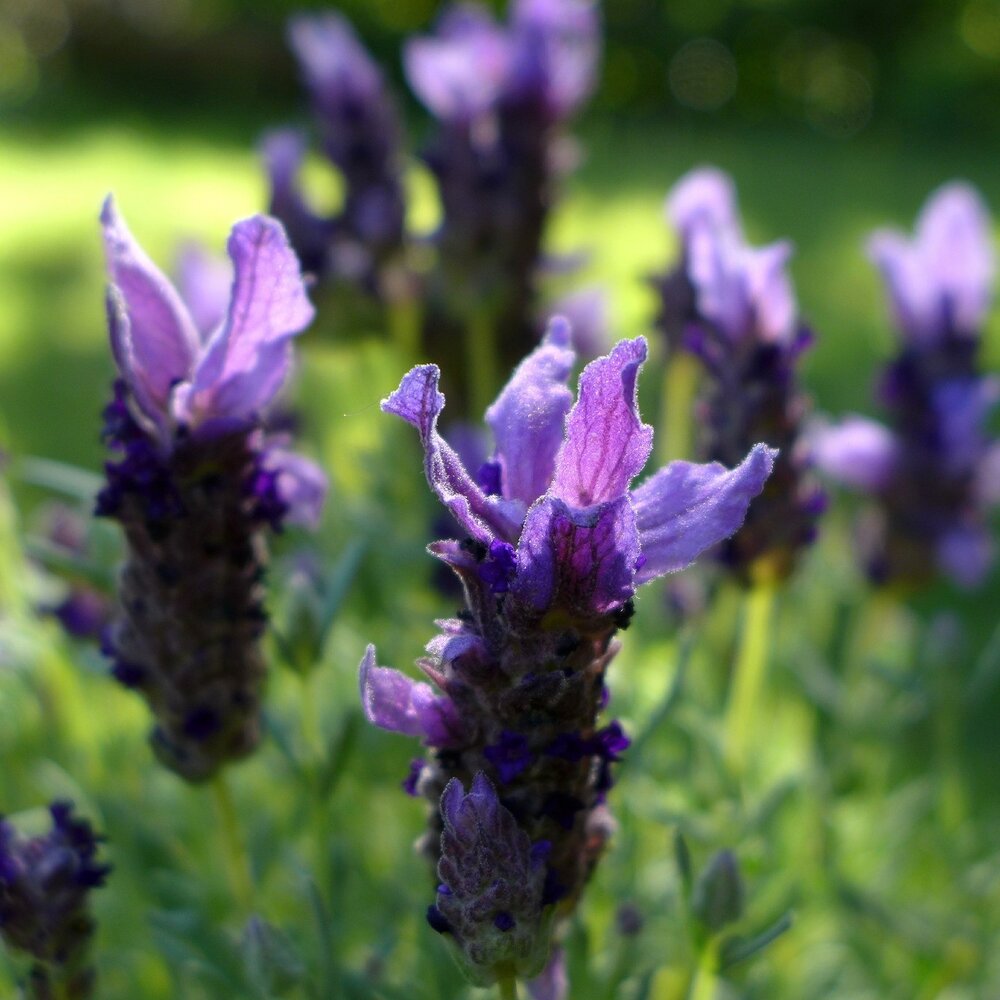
(45, 883)
(361, 137)
(933, 471)
(550, 564)
(732, 306)
(502, 95)
(196, 482)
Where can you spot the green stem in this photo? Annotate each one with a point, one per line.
(680, 385)
(481, 358)
(508, 987)
(706, 981)
(236, 859)
(748, 678)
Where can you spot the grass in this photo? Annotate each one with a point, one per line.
(867, 805)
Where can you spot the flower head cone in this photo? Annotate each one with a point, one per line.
(933, 470)
(556, 544)
(733, 307)
(195, 482)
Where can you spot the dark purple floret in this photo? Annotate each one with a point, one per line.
(510, 755)
(44, 907)
(504, 921)
(410, 781)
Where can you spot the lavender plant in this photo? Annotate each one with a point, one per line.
(557, 542)
(933, 472)
(502, 95)
(361, 136)
(196, 481)
(45, 884)
(732, 306)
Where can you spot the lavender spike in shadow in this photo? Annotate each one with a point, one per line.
(362, 138)
(934, 471)
(553, 553)
(732, 306)
(45, 884)
(195, 483)
(503, 95)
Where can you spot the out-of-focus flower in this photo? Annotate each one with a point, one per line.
(196, 482)
(361, 137)
(933, 471)
(556, 544)
(732, 306)
(503, 94)
(45, 883)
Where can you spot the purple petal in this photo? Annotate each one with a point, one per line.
(302, 485)
(744, 290)
(858, 452)
(606, 443)
(581, 561)
(460, 74)
(394, 702)
(943, 278)
(587, 311)
(553, 983)
(966, 554)
(419, 403)
(704, 196)
(527, 418)
(335, 64)
(246, 362)
(686, 508)
(205, 281)
(158, 345)
(557, 47)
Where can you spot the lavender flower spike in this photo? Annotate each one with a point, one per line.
(733, 307)
(933, 471)
(557, 543)
(45, 882)
(197, 480)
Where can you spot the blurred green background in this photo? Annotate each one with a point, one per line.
(872, 812)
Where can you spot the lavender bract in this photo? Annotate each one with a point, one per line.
(362, 139)
(502, 95)
(196, 481)
(45, 883)
(732, 306)
(557, 542)
(933, 471)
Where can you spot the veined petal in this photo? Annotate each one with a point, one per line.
(579, 561)
(606, 443)
(394, 702)
(247, 360)
(857, 452)
(163, 341)
(418, 402)
(686, 508)
(527, 418)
